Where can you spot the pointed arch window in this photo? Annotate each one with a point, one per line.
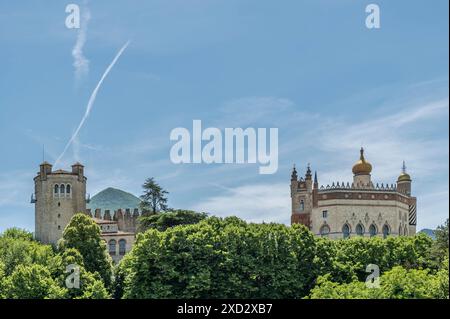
(68, 190)
(405, 231)
(360, 230)
(62, 189)
(302, 205)
(386, 230)
(325, 231)
(112, 247)
(56, 191)
(346, 231)
(373, 230)
(122, 247)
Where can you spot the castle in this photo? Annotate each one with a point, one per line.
(60, 194)
(361, 208)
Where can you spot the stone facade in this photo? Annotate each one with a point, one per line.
(58, 195)
(358, 209)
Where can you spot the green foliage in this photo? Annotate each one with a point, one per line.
(346, 259)
(397, 283)
(17, 233)
(20, 250)
(32, 282)
(164, 220)
(83, 235)
(154, 198)
(220, 258)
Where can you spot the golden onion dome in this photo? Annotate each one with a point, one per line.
(362, 167)
(404, 177)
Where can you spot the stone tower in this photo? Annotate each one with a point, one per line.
(302, 197)
(58, 195)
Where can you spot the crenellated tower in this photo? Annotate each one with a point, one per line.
(58, 195)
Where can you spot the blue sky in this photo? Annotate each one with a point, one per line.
(310, 68)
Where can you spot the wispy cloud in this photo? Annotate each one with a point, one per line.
(80, 62)
(254, 203)
(91, 101)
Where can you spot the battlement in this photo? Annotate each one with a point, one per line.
(127, 220)
(360, 186)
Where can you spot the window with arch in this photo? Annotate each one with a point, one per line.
(112, 247)
(56, 191)
(122, 246)
(62, 189)
(373, 230)
(405, 231)
(360, 230)
(386, 230)
(68, 190)
(302, 205)
(400, 230)
(324, 231)
(346, 231)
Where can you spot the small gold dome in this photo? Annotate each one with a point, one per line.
(404, 177)
(362, 167)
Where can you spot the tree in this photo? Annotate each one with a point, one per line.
(20, 250)
(18, 234)
(32, 282)
(83, 234)
(220, 258)
(442, 237)
(397, 283)
(90, 284)
(154, 198)
(164, 220)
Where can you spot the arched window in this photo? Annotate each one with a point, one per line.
(122, 246)
(68, 190)
(386, 230)
(372, 230)
(302, 205)
(400, 230)
(360, 230)
(324, 230)
(62, 189)
(405, 231)
(112, 247)
(56, 191)
(346, 231)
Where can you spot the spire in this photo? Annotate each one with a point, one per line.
(315, 178)
(308, 172)
(404, 168)
(294, 174)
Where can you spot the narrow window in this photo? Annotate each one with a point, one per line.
(112, 247)
(56, 191)
(61, 189)
(372, 230)
(346, 231)
(325, 231)
(360, 230)
(386, 231)
(325, 214)
(122, 247)
(68, 190)
(302, 205)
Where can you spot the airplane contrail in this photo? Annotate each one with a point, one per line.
(91, 101)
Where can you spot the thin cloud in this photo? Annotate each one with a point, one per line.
(80, 62)
(91, 101)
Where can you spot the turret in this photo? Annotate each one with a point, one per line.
(404, 182)
(361, 172)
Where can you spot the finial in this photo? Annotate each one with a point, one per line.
(404, 168)
(361, 151)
